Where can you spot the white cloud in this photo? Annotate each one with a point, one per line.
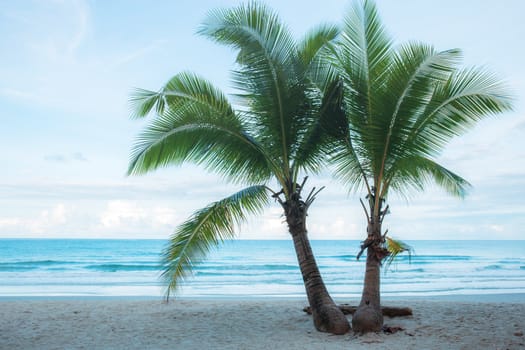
(7, 223)
(164, 216)
(120, 212)
(334, 228)
(497, 228)
(46, 221)
(49, 220)
(126, 216)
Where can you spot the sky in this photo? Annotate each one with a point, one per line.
(67, 68)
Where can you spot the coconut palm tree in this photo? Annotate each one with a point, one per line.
(271, 136)
(400, 106)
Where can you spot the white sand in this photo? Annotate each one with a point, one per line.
(225, 324)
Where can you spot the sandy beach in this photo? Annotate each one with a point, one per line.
(250, 324)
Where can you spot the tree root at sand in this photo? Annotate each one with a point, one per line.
(387, 311)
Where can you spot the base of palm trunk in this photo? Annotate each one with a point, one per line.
(330, 319)
(367, 319)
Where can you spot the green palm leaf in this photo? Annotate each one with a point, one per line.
(468, 96)
(199, 125)
(413, 173)
(207, 228)
(251, 28)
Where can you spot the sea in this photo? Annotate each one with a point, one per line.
(39, 268)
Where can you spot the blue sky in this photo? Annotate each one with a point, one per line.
(67, 69)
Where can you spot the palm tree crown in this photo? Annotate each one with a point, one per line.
(403, 105)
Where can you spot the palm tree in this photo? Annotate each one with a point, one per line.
(399, 108)
(273, 134)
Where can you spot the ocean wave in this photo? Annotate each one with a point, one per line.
(492, 267)
(498, 267)
(434, 258)
(398, 270)
(123, 267)
(31, 265)
(262, 267)
(511, 261)
(431, 259)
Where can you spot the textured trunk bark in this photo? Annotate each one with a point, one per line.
(368, 316)
(326, 314)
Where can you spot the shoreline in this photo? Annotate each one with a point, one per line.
(469, 298)
(250, 324)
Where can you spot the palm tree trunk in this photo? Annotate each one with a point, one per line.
(368, 316)
(326, 315)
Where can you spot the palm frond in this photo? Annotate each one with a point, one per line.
(250, 28)
(206, 229)
(187, 90)
(468, 96)
(454, 184)
(366, 54)
(199, 125)
(413, 173)
(395, 248)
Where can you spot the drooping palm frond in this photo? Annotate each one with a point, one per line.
(184, 91)
(395, 248)
(251, 28)
(206, 229)
(199, 125)
(468, 96)
(189, 91)
(413, 173)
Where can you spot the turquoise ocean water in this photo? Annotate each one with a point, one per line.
(106, 268)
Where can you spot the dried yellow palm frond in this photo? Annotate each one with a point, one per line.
(396, 247)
